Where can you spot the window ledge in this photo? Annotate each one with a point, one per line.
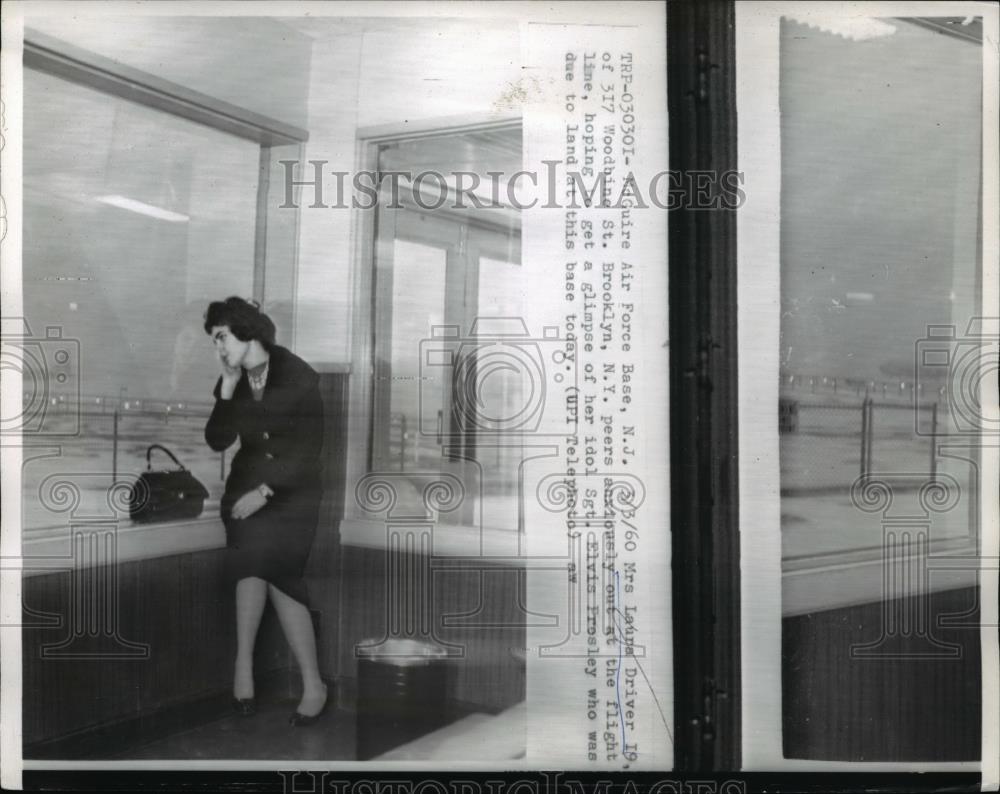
(41, 555)
(447, 541)
(824, 582)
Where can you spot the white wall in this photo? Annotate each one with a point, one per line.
(323, 290)
(254, 62)
(432, 70)
(450, 68)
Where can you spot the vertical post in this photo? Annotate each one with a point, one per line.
(222, 465)
(260, 227)
(416, 446)
(871, 434)
(402, 442)
(705, 498)
(934, 423)
(864, 436)
(114, 450)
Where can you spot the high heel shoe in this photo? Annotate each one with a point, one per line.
(246, 707)
(298, 720)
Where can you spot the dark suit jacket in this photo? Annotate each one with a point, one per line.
(281, 436)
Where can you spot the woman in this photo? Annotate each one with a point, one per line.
(268, 398)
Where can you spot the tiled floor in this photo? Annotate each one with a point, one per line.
(264, 736)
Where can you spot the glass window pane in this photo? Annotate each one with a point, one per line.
(416, 404)
(880, 240)
(861, 276)
(446, 384)
(134, 220)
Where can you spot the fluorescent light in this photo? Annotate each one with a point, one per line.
(143, 209)
(859, 297)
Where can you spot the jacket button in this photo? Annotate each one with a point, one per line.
(265, 435)
(269, 456)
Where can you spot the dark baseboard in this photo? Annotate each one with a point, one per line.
(114, 738)
(347, 700)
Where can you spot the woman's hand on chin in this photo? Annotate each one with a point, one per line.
(230, 377)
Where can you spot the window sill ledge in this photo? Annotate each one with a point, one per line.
(446, 541)
(80, 547)
(836, 581)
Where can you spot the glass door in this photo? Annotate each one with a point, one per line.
(451, 372)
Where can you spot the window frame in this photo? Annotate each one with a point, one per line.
(52, 550)
(356, 528)
(771, 589)
(705, 506)
(821, 580)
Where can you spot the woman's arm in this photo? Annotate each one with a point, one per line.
(220, 431)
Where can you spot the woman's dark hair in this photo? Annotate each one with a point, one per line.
(244, 318)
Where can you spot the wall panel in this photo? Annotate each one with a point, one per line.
(896, 705)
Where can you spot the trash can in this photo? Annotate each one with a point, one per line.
(402, 690)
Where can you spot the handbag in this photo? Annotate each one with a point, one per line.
(166, 495)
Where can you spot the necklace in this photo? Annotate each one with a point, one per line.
(258, 376)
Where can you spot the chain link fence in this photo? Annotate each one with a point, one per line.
(825, 446)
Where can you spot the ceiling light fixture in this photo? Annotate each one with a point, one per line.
(132, 205)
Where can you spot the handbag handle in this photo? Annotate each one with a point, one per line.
(149, 463)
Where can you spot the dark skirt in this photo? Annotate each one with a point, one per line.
(273, 544)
